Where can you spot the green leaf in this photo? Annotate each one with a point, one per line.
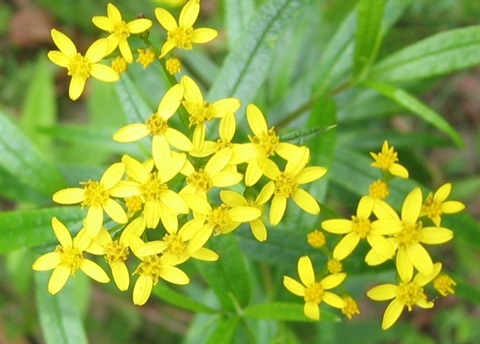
(237, 16)
(23, 160)
(39, 108)
(284, 311)
(224, 331)
(368, 37)
(228, 277)
(29, 228)
(300, 137)
(466, 289)
(247, 65)
(12, 189)
(174, 298)
(411, 103)
(442, 53)
(59, 316)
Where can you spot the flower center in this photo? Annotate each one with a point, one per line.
(444, 285)
(378, 189)
(219, 218)
(79, 67)
(351, 307)
(156, 124)
(221, 144)
(266, 142)
(409, 294)
(175, 245)
(361, 227)
(316, 239)
(200, 180)
(95, 193)
(314, 293)
(182, 37)
(200, 113)
(285, 185)
(334, 266)
(386, 158)
(409, 235)
(119, 65)
(151, 266)
(116, 252)
(145, 57)
(431, 208)
(133, 203)
(120, 30)
(70, 258)
(152, 188)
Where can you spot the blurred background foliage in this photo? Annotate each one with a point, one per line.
(74, 140)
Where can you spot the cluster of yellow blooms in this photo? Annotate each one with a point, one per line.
(189, 188)
(192, 189)
(391, 237)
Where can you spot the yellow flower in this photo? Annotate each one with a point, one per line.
(145, 57)
(117, 251)
(334, 266)
(201, 111)
(287, 184)
(316, 239)
(351, 307)
(378, 190)
(151, 269)
(314, 292)
(157, 125)
(178, 246)
(173, 65)
(160, 203)
(183, 35)
(387, 159)
(97, 196)
(202, 180)
(407, 294)
(360, 227)
(80, 67)
(410, 252)
(435, 205)
(120, 30)
(119, 65)
(234, 199)
(444, 284)
(263, 144)
(67, 259)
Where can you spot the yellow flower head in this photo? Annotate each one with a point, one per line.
(80, 67)
(435, 205)
(334, 266)
(145, 57)
(119, 65)
(316, 239)
(67, 259)
(360, 227)
(444, 284)
(387, 159)
(96, 195)
(183, 35)
(314, 292)
(120, 30)
(173, 65)
(351, 307)
(378, 189)
(287, 184)
(407, 294)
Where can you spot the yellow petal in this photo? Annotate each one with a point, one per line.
(69, 196)
(170, 102)
(192, 93)
(277, 209)
(94, 271)
(62, 233)
(97, 50)
(333, 300)
(435, 235)
(259, 230)
(131, 133)
(174, 275)
(189, 13)
(381, 245)
(256, 120)
(293, 286)
(125, 50)
(142, 290)
(268, 167)
(337, 226)
(58, 279)
(265, 194)
(306, 201)
(115, 211)
(404, 265)
(103, 23)
(151, 212)
(75, 89)
(312, 310)
(286, 150)
(47, 262)
(160, 150)
(332, 281)
(205, 254)
(346, 246)
(373, 258)
(204, 35)
(244, 214)
(452, 207)
(94, 220)
(412, 206)
(139, 25)
(64, 44)
(59, 58)
(383, 210)
(113, 175)
(443, 192)
(392, 313)
(103, 73)
(135, 169)
(305, 271)
(253, 173)
(120, 275)
(151, 248)
(113, 13)
(310, 174)
(232, 198)
(386, 227)
(222, 107)
(173, 201)
(383, 292)
(227, 127)
(224, 179)
(167, 47)
(171, 167)
(169, 219)
(398, 170)
(420, 258)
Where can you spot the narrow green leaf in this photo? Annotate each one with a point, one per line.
(39, 108)
(23, 160)
(224, 331)
(224, 276)
(174, 298)
(12, 189)
(237, 16)
(441, 53)
(411, 103)
(368, 37)
(59, 317)
(29, 228)
(284, 311)
(300, 137)
(247, 65)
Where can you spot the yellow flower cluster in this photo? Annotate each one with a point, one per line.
(151, 215)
